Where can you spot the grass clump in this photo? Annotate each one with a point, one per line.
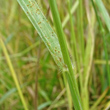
(77, 78)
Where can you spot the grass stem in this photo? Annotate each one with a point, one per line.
(70, 76)
(104, 42)
(13, 74)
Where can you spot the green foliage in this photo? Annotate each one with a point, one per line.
(61, 48)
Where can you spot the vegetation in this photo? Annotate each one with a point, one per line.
(54, 55)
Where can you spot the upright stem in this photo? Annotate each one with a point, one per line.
(62, 41)
(104, 42)
(36, 78)
(73, 38)
(80, 28)
(67, 91)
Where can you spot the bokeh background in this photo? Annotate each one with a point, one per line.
(31, 59)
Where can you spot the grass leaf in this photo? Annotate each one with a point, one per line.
(45, 31)
(104, 12)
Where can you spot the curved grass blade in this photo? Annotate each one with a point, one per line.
(45, 31)
(104, 12)
(9, 93)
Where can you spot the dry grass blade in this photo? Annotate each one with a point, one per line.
(99, 99)
(13, 73)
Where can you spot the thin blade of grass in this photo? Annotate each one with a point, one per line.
(62, 40)
(104, 13)
(73, 9)
(74, 44)
(99, 100)
(81, 30)
(13, 73)
(42, 106)
(73, 39)
(10, 92)
(104, 42)
(89, 51)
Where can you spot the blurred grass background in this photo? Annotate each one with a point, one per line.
(29, 57)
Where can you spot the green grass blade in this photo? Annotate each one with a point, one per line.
(73, 39)
(23, 52)
(6, 95)
(62, 41)
(104, 12)
(89, 51)
(76, 101)
(42, 106)
(104, 42)
(81, 29)
(9, 93)
(99, 100)
(45, 31)
(13, 73)
(73, 9)
(50, 39)
(68, 92)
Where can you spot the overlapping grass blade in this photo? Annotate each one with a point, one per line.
(50, 39)
(70, 75)
(99, 100)
(104, 41)
(73, 9)
(104, 12)
(45, 31)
